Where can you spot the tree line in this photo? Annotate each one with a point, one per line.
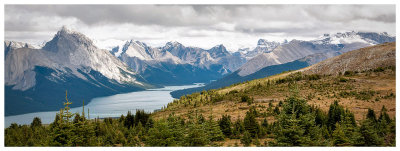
(296, 124)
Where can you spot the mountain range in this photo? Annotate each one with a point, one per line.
(294, 55)
(36, 78)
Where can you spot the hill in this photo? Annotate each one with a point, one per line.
(370, 85)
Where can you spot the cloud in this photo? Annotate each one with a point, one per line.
(196, 25)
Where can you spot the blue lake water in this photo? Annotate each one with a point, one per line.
(110, 106)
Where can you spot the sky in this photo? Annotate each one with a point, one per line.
(204, 26)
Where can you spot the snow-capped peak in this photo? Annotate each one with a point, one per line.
(267, 45)
(341, 38)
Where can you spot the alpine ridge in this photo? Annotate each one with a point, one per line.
(69, 61)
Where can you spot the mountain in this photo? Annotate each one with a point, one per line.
(383, 55)
(339, 42)
(36, 79)
(175, 63)
(294, 55)
(11, 45)
(264, 72)
(263, 46)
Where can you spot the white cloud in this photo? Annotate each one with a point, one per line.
(205, 26)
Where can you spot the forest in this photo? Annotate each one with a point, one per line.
(297, 124)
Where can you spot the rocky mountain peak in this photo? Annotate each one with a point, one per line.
(68, 39)
(218, 51)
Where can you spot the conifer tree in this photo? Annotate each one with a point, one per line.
(246, 139)
(371, 115)
(213, 131)
(339, 138)
(225, 125)
(37, 122)
(250, 123)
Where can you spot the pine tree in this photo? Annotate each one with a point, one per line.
(67, 115)
(129, 120)
(339, 138)
(196, 135)
(213, 131)
(335, 114)
(250, 123)
(369, 133)
(62, 132)
(246, 139)
(37, 122)
(225, 125)
(371, 115)
(160, 135)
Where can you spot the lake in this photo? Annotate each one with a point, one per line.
(110, 106)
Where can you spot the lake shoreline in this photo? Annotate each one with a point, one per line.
(110, 106)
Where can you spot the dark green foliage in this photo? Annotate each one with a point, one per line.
(213, 130)
(335, 114)
(369, 133)
(349, 73)
(37, 122)
(250, 123)
(276, 110)
(238, 128)
(246, 98)
(197, 136)
(246, 139)
(129, 120)
(371, 115)
(339, 137)
(133, 120)
(341, 79)
(225, 125)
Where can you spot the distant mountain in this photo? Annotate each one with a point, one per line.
(294, 55)
(340, 42)
(263, 46)
(36, 79)
(267, 71)
(11, 45)
(175, 63)
(382, 55)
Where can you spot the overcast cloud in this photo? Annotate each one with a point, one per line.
(235, 26)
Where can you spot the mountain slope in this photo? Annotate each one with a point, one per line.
(70, 62)
(382, 55)
(340, 42)
(373, 86)
(281, 58)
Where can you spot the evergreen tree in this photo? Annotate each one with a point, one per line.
(129, 120)
(335, 114)
(160, 135)
(246, 139)
(250, 123)
(369, 133)
(371, 115)
(339, 137)
(225, 125)
(36, 122)
(213, 131)
(384, 116)
(197, 135)
(265, 123)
